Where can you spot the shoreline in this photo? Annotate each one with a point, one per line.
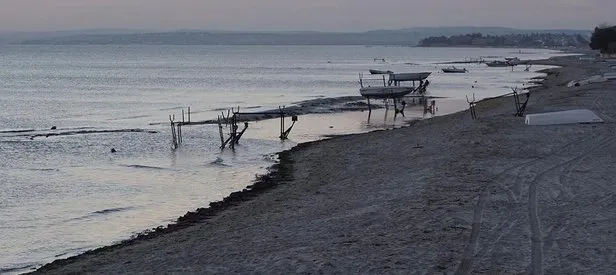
(280, 174)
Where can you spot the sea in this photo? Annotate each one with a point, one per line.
(63, 108)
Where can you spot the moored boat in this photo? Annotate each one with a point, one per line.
(454, 70)
(385, 92)
(408, 76)
(392, 87)
(498, 63)
(380, 72)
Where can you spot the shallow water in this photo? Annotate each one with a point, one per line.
(62, 195)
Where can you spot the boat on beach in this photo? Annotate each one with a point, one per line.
(453, 69)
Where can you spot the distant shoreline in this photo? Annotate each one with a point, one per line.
(402, 37)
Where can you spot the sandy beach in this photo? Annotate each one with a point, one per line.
(448, 195)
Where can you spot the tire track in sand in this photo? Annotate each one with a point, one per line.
(536, 232)
(470, 250)
(513, 196)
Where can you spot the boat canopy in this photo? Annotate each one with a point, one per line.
(408, 76)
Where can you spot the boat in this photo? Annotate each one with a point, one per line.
(392, 87)
(380, 72)
(386, 91)
(498, 63)
(454, 70)
(408, 77)
(513, 61)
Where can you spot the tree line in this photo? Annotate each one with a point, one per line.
(604, 39)
(531, 40)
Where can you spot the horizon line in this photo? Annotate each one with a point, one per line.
(272, 31)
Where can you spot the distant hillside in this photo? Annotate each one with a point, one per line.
(448, 31)
(233, 38)
(404, 37)
(18, 37)
(527, 40)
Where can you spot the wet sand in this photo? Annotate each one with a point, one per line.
(449, 195)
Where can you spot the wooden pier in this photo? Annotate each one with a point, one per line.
(230, 121)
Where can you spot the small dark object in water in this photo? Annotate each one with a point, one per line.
(577, 84)
(53, 127)
(331, 126)
(113, 150)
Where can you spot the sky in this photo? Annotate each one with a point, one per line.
(317, 15)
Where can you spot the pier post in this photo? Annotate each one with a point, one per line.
(369, 108)
(472, 104)
(174, 141)
(281, 122)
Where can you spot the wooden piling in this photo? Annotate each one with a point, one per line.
(222, 137)
(281, 122)
(174, 141)
(472, 104)
(369, 108)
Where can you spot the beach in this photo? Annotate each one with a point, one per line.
(448, 195)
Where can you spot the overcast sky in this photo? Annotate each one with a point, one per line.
(321, 15)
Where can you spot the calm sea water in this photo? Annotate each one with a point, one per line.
(62, 195)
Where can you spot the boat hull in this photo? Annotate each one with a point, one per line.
(454, 71)
(498, 64)
(409, 76)
(380, 72)
(385, 92)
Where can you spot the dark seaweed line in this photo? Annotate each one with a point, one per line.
(85, 132)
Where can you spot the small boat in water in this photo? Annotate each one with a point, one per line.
(380, 72)
(514, 61)
(408, 77)
(386, 91)
(454, 70)
(498, 63)
(391, 88)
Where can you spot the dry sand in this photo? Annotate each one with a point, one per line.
(449, 195)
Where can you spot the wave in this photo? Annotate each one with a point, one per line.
(99, 213)
(19, 268)
(128, 117)
(45, 169)
(73, 252)
(219, 162)
(144, 166)
(227, 108)
(16, 131)
(111, 210)
(85, 132)
(171, 108)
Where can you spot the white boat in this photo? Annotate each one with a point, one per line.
(454, 70)
(392, 88)
(408, 77)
